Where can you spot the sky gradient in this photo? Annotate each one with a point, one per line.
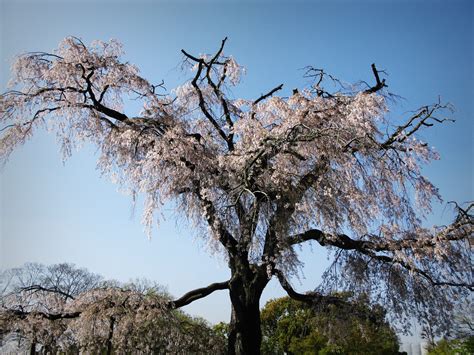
(53, 212)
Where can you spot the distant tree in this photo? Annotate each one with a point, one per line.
(103, 318)
(460, 339)
(260, 177)
(292, 327)
(453, 347)
(64, 280)
(39, 288)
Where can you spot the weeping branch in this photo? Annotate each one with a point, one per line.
(372, 247)
(459, 230)
(310, 297)
(319, 301)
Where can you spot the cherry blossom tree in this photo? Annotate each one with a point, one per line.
(258, 178)
(40, 312)
(39, 288)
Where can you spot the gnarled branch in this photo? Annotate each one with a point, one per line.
(370, 248)
(310, 297)
(199, 293)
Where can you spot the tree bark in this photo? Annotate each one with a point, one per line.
(33, 347)
(110, 336)
(245, 288)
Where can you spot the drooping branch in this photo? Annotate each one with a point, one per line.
(373, 248)
(321, 302)
(57, 95)
(310, 297)
(459, 230)
(414, 269)
(199, 293)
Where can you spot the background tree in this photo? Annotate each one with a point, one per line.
(460, 338)
(292, 327)
(38, 288)
(258, 177)
(452, 347)
(102, 318)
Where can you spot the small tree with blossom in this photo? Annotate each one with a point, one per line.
(259, 177)
(64, 309)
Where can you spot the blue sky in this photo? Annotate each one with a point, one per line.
(53, 213)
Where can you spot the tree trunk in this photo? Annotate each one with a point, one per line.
(33, 347)
(110, 335)
(245, 335)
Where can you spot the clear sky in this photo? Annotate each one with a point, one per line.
(53, 213)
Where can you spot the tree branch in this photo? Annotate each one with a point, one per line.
(268, 94)
(36, 288)
(204, 110)
(226, 239)
(310, 297)
(51, 316)
(380, 84)
(219, 93)
(196, 294)
(190, 56)
(415, 122)
(264, 96)
(97, 103)
(369, 248)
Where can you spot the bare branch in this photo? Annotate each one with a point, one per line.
(268, 94)
(51, 316)
(310, 297)
(379, 84)
(196, 294)
(36, 288)
(205, 111)
(218, 92)
(419, 119)
(193, 58)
